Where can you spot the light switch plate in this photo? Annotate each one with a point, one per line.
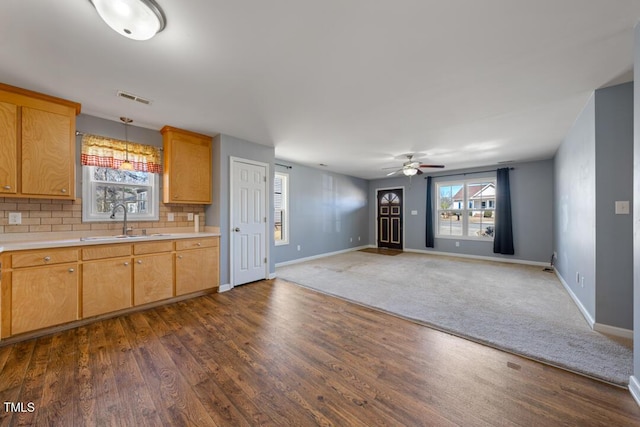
(15, 218)
(622, 207)
(190, 216)
(414, 212)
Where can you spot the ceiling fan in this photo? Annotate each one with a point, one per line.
(412, 167)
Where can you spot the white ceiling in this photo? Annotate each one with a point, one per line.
(349, 83)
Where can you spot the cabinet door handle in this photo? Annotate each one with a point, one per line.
(179, 256)
(64, 190)
(139, 261)
(71, 270)
(126, 264)
(47, 259)
(7, 187)
(198, 244)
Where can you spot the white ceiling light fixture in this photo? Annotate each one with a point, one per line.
(409, 171)
(135, 19)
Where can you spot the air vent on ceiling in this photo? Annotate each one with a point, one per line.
(133, 97)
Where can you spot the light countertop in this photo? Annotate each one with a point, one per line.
(96, 240)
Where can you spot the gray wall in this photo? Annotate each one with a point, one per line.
(594, 168)
(217, 214)
(575, 213)
(614, 181)
(327, 213)
(532, 212)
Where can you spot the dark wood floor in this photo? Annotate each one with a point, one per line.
(272, 353)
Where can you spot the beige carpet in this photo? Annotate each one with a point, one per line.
(517, 308)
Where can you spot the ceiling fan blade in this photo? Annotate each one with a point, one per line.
(432, 166)
(394, 172)
(419, 172)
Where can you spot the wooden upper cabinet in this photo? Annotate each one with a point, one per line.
(8, 148)
(37, 144)
(187, 166)
(48, 159)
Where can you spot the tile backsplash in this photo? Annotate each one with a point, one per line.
(55, 216)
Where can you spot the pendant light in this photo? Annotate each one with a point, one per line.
(126, 165)
(134, 19)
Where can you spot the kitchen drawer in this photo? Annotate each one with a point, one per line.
(44, 257)
(205, 242)
(152, 247)
(105, 251)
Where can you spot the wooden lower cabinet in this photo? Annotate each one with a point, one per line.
(196, 270)
(106, 286)
(48, 287)
(43, 296)
(153, 278)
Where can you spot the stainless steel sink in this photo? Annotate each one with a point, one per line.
(119, 236)
(123, 236)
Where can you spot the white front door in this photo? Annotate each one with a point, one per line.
(248, 221)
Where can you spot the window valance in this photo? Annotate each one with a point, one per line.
(111, 153)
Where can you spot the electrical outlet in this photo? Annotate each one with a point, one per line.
(171, 216)
(298, 247)
(15, 218)
(190, 216)
(358, 238)
(351, 239)
(457, 244)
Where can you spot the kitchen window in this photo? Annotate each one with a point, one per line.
(103, 188)
(114, 172)
(281, 208)
(466, 209)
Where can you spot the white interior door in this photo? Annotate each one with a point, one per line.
(248, 221)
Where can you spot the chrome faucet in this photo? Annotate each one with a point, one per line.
(113, 215)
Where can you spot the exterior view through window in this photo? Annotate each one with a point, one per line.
(104, 188)
(281, 206)
(466, 209)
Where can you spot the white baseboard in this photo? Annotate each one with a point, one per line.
(310, 258)
(224, 288)
(613, 330)
(420, 251)
(272, 276)
(598, 327)
(480, 257)
(575, 299)
(634, 388)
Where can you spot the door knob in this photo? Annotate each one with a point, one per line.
(237, 229)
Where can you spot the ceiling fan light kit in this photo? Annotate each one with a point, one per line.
(409, 171)
(412, 167)
(134, 19)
